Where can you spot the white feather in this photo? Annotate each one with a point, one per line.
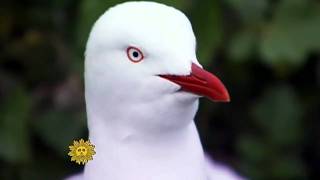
(142, 128)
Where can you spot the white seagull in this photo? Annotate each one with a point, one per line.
(142, 85)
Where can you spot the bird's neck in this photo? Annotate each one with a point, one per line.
(125, 149)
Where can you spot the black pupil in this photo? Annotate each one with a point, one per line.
(135, 54)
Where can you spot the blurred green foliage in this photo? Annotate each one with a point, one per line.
(266, 51)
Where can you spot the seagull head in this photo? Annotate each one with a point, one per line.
(140, 53)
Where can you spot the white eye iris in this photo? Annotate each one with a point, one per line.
(134, 54)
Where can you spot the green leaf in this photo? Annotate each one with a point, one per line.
(288, 168)
(251, 12)
(279, 113)
(253, 149)
(45, 166)
(242, 46)
(14, 131)
(58, 129)
(292, 34)
(182, 5)
(206, 21)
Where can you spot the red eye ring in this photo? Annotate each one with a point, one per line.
(134, 54)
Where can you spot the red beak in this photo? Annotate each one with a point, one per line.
(201, 82)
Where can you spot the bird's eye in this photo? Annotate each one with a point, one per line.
(134, 54)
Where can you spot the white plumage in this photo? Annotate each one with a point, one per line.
(141, 124)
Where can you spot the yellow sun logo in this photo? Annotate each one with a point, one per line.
(81, 151)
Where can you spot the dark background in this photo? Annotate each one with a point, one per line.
(266, 52)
